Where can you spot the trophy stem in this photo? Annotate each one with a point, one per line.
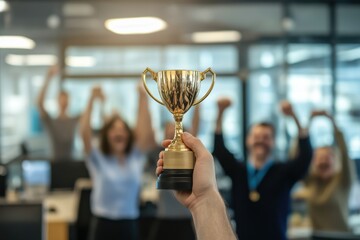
(179, 130)
(177, 144)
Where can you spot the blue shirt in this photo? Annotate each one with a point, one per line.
(116, 186)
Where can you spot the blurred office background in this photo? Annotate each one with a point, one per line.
(262, 51)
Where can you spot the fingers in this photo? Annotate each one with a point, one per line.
(159, 170)
(194, 144)
(166, 143)
(159, 167)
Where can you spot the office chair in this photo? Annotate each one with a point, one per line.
(64, 174)
(21, 221)
(84, 215)
(3, 176)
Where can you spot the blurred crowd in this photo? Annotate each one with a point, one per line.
(262, 185)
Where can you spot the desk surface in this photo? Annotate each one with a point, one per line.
(64, 204)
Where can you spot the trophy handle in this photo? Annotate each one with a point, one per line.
(153, 74)
(203, 76)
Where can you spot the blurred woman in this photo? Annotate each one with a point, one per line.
(116, 170)
(328, 185)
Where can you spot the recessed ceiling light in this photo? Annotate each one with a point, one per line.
(140, 25)
(80, 61)
(19, 42)
(216, 36)
(4, 6)
(78, 10)
(31, 60)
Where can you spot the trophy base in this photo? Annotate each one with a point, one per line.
(175, 179)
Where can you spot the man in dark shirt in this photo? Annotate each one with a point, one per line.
(261, 187)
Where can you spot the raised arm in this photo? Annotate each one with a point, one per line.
(225, 157)
(85, 122)
(347, 167)
(298, 167)
(144, 134)
(195, 121)
(41, 98)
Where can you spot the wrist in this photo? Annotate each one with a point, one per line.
(207, 203)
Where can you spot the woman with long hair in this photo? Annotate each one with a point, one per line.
(116, 169)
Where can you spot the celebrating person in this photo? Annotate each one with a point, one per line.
(328, 185)
(261, 186)
(62, 128)
(116, 170)
(204, 201)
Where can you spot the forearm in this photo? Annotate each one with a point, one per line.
(346, 163)
(43, 91)
(85, 127)
(144, 131)
(219, 122)
(195, 121)
(211, 220)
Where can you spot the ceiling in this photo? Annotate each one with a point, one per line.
(86, 21)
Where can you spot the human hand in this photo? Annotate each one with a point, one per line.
(204, 182)
(97, 92)
(223, 103)
(286, 108)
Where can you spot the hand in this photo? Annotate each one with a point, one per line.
(97, 92)
(223, 103)
(204, 182)
(286, 108)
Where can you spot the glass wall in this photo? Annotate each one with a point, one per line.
(347, 101)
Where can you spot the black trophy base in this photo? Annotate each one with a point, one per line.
(175, 179)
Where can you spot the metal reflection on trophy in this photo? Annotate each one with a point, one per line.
(178, 90)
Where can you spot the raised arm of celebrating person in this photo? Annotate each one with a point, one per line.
(298, 167)
(41, 98)
(144, 133)
(194, 130)
(204, 201)
(347, 172)
(226, 158)
(85, 122)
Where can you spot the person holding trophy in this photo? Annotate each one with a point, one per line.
(203, 200)
(261, 186)
(116, 170)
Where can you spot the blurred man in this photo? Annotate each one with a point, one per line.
(328, 185)
(62, 128)
(261, 186)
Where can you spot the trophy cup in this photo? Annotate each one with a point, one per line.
(178, 90)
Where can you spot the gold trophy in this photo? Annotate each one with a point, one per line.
(178, 90)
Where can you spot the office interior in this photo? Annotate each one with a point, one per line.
(305, 51)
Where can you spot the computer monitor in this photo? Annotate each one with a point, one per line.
(36, 172)
(64, 174)
(19, 221)
(36, 178)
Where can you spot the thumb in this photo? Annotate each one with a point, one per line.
(193, 143)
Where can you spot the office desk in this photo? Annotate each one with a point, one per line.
(64, 206)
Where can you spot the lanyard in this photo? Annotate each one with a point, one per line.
(254, 178)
